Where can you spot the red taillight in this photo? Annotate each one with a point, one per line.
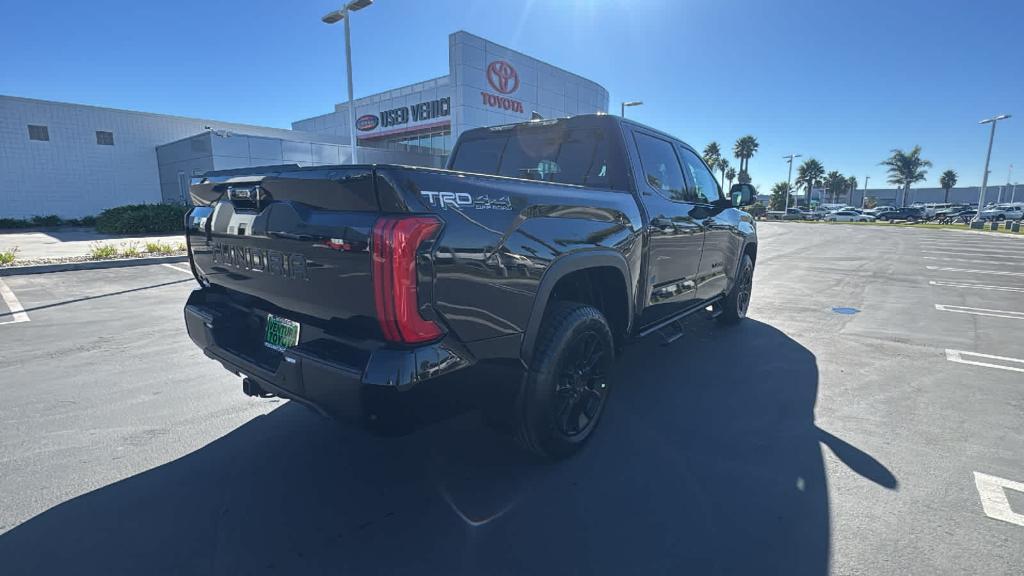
(395, 242)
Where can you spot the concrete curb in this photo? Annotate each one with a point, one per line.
(90, 265)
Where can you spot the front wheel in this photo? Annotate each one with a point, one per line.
(564, 393)
(734, 307)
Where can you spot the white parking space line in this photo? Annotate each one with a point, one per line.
(974, 286)
(965, 357)
(1004, 245)
(969, 261)
(18, 313)
(981, 311)
(178, 268)
(994, 272)
(973, 253)
(992, 490)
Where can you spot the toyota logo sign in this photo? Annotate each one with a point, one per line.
(502, 77)
(367, 122)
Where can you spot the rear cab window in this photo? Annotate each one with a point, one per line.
(551, 152)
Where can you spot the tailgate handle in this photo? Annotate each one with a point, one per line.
(250, 195)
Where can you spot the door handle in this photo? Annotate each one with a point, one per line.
(663, 224)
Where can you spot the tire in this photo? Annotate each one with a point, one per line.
(564, 393)
(734, 307)
(1000, 218)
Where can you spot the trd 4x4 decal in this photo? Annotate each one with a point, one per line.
(457, 200)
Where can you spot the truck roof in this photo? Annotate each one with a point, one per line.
(599, 120)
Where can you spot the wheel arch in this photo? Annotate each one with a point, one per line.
(615, 298)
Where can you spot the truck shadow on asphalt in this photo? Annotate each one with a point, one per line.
(708, 463)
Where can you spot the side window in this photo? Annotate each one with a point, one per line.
(661, 167)
(705, 187)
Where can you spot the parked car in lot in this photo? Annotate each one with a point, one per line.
(878, 210)
(1002, 212)
(961, 217)
(948, 213)
(909, 214)
(849, 216)
(816, 213)
(510, 280)
(788, 214)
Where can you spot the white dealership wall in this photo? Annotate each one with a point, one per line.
(539, 86)
(71, 175)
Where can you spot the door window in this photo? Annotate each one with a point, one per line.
(705, 187)
(661, 167)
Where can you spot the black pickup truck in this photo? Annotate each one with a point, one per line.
(514, 276)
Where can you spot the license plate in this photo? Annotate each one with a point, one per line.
(281, 333)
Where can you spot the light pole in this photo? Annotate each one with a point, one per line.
(864, 196)
(789, 179)
(624, 104)
(1009, 176)
(988, 156)
(332, 18)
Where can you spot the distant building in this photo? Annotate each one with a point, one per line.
(959, 195)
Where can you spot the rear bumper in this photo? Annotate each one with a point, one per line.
(325, 383)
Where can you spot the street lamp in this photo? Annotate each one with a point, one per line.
(624, 104)
(789, 179)
(988, 156)
(332, 18)
(864, 196)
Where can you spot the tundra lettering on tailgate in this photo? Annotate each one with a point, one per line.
(292, 266)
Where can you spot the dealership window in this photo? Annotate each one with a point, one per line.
(435, 143)
(104, 138)
(36, 132)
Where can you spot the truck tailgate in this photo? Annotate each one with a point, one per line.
(296, 241)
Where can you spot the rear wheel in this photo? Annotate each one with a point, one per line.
(563, 394)
(734, 307)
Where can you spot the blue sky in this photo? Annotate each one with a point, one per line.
(843, 82)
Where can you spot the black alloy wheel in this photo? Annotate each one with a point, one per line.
(581, 386)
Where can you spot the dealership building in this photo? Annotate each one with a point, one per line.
(75, 160)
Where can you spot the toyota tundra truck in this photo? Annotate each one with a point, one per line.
(513, 277)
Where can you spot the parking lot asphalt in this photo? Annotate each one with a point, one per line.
(867, 418)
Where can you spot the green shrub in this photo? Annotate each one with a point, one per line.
(130, 250)
(101, 251)
(89, 221)
(14, 223)
(7, 256)
(159, 248)
(51, 220)
(142, 219)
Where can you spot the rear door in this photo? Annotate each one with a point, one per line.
(675, 236)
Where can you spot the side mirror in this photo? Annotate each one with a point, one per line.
(742, 194)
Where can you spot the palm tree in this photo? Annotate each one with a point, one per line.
(947, 181)
(711, 154)
(851, 186)
(744, 150)
(724, 166)
(779, 198)
(834, 182)
(808, 175)
(906, 169)
(730, 175)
